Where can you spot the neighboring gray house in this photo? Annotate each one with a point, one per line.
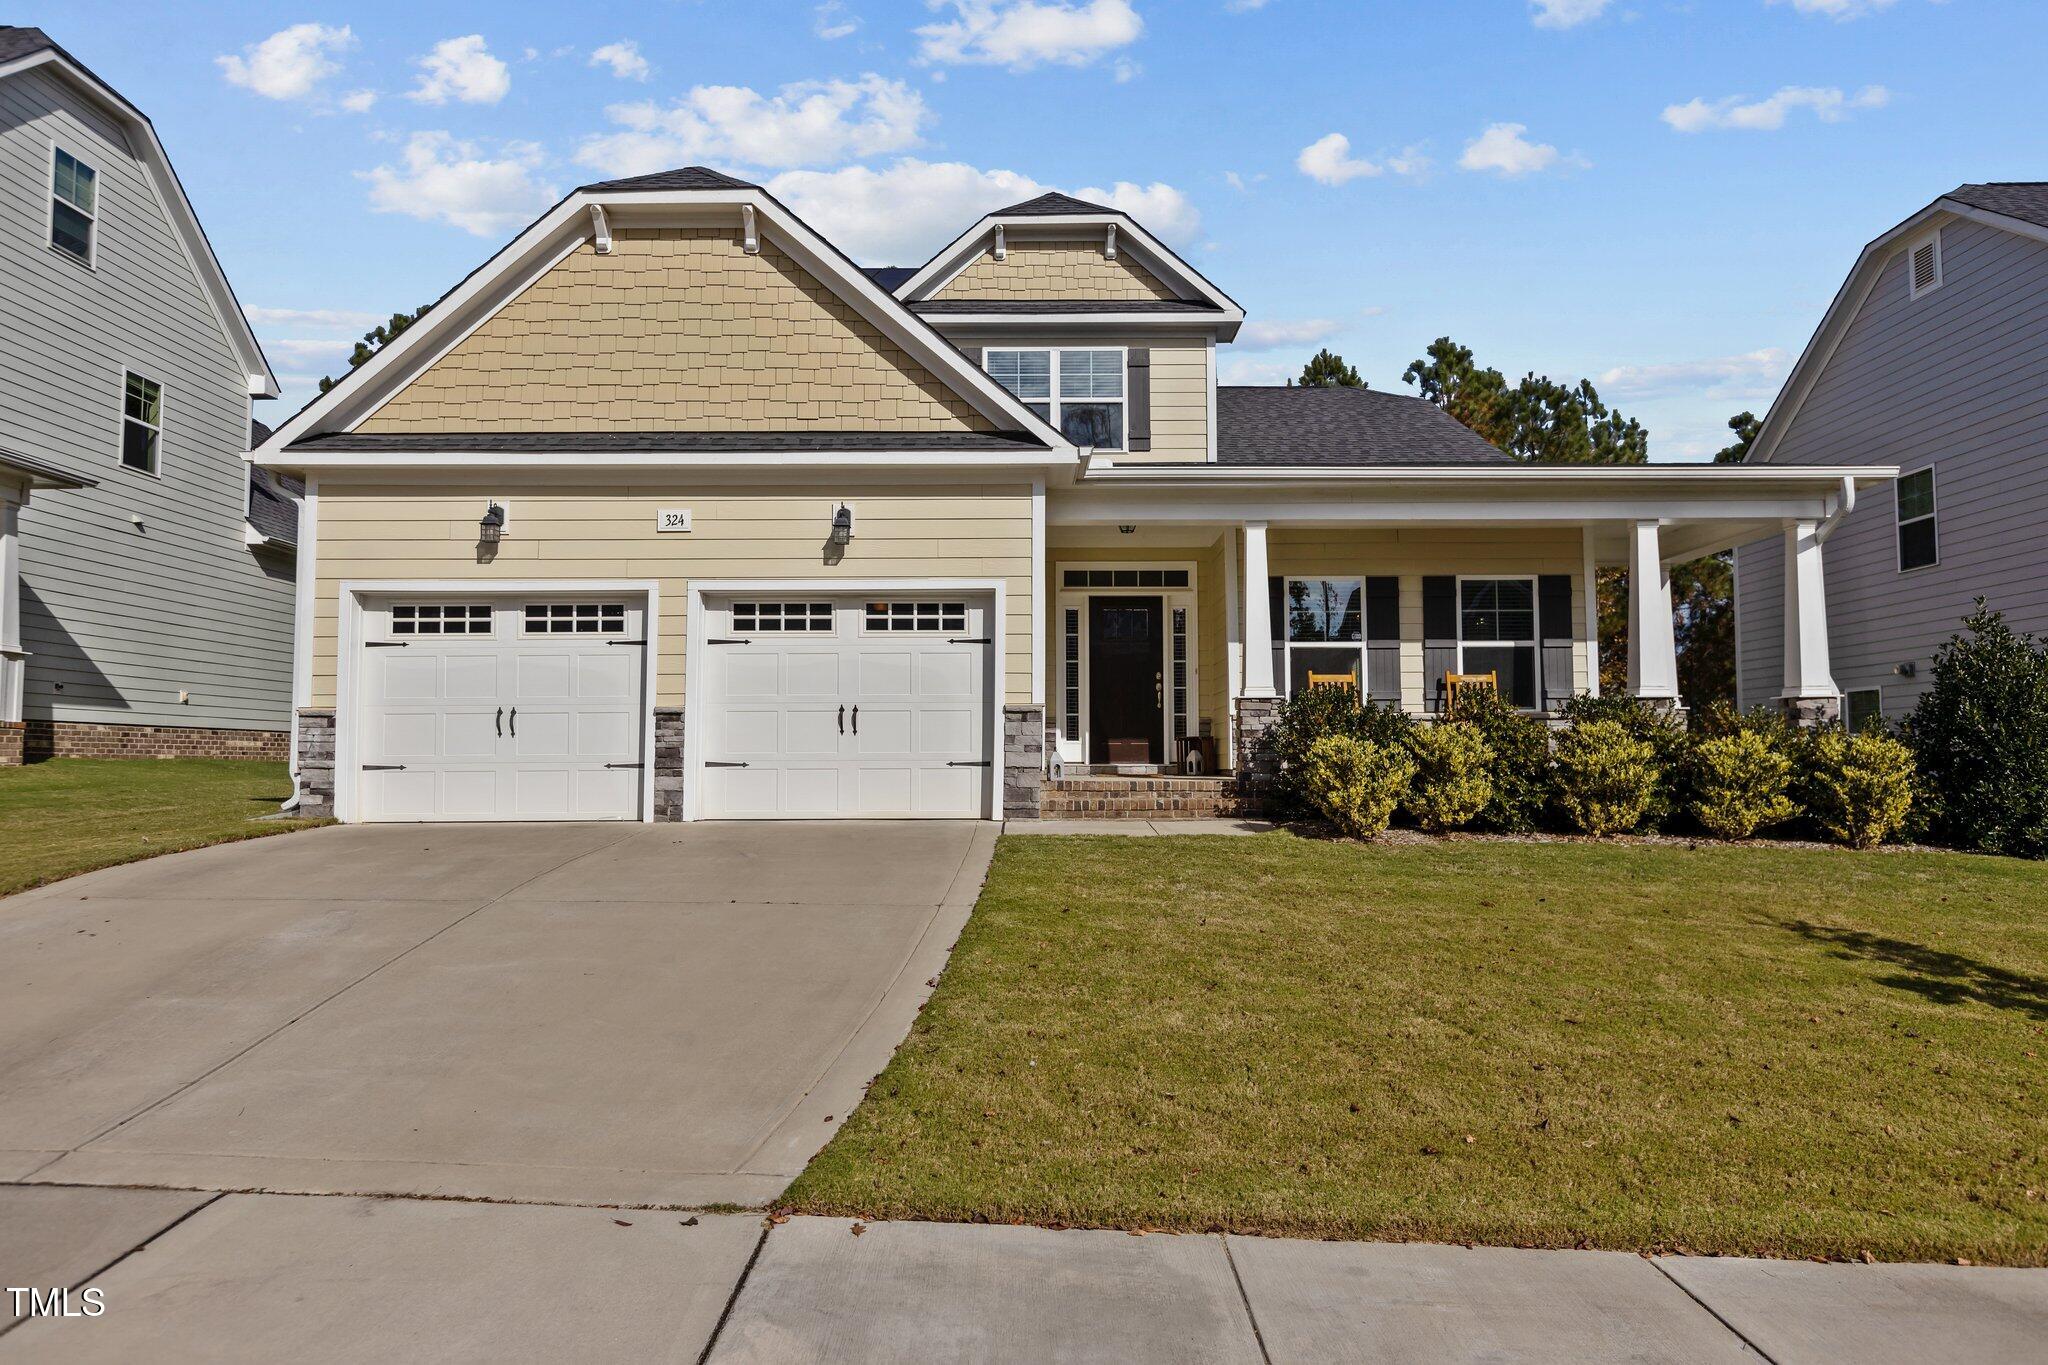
(1933, 357)
(150, 612)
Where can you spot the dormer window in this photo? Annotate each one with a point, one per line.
(1080, 392)
(1923, 264)
(74, 201)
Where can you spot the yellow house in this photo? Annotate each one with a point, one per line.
(670, 511)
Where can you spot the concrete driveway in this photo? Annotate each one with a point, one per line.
(583, 1014)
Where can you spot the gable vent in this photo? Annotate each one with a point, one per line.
(1926, 265)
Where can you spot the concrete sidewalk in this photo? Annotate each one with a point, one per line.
(263, 1277)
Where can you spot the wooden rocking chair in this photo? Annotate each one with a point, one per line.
(1454, 683)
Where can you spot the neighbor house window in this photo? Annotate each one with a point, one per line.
(1079, 392)
(1917, 542)
(1497, 634)
(142, 423)
(1324, 631)
(74, 199)
(1865, 710)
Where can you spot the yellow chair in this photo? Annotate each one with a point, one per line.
(1333, 680)
(1455, 683)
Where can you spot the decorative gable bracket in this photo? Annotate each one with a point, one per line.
(750, 235)
(1109, 244)
(1002, 248)
(600, 230)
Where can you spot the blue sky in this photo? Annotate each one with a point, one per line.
(1660, 195)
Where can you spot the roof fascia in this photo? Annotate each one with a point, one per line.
(1153, 253)
(1218, 325)
(1719, 477)
(1849, 301)
(177, 207)
(561, 230)
(923, 462)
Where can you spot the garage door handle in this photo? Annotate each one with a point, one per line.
(971, 763)
(625, 642)
(515, 722)
(385, 644)
(856, 720)
(625, 765)
(501, 722)
(383, 767)
(970, 642)
(714, 763)
(842, 720)
(728, 642)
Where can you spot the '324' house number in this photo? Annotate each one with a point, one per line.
(672, 519)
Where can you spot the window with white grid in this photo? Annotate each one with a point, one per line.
(441, 618)
(782, 618)
(915, 618)
(575, 618)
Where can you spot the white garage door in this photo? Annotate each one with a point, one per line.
(500, 709)
(821, 707)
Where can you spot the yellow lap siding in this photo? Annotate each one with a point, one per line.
(396, 532)
(1054, 269)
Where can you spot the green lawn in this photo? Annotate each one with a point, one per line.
(1756, 1050)
(71, 815)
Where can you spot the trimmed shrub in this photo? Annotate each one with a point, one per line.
(1356, 784)
(1520, 771)
(1658, 729)
(1451, 785)
(1739, 784)
(1606, 777)
(1980, 738)
(1310, 715)
(1862, 786)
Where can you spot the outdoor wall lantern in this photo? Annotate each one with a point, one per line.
(842, 525)
(492, 528)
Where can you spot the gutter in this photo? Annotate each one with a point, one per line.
(1100, 473)
(1845, 504)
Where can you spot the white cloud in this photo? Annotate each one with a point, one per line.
(464, 69)
(623, 58)
(1828, 103)
(359, 101)
(1243, 183)
(1411, 161)
(449, 181)
(811, 123)
(1838, 9)
(904, 213)
(1566, 13)
(313, 352)
(290, 63)
(1240, 370)
(1245, 6)
(343, 319)
(1328, 161)
(1503, 150)
(1021, 34)
(1753, 374)
(832, 20)
(1125, 70)
(1271, 336)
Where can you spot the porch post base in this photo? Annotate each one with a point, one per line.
(316, 762)
(668, 764)
(11, 743)
(1812, 713)
(1257, 764)
(1023, 762)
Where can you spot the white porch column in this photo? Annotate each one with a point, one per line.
(1652, 643)
(1810, 693)
(12, 667)
(1258, 615)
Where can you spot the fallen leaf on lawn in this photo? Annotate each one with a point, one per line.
(858, 1228)
(622, 1222)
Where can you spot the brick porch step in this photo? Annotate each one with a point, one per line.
(1142, 798)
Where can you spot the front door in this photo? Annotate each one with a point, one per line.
(1126, 679)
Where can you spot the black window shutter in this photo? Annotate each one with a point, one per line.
(1276, 615)
(1138, 399)
(1439, 636)
(1554, 628)
(1383, 609)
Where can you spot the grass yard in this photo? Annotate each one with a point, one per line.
(1755, 1050)
(71, 815)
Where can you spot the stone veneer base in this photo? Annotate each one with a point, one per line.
(79, 739)
(668, 764)
(1023, 762)
(316, 762)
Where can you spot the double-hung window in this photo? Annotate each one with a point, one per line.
(1918, 544)
(1080, 392)
(74, 199)
(1323, 638)
(142, 424)
(1497, 634)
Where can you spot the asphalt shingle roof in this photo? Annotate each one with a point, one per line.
(890, 277)
(681, 178)
(1051, 204)
(19, 42)
(273, 506)
(1309, 426)
(2026, 200)
(668, 442)
(940, 307)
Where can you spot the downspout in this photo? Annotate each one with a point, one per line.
(1844, 505)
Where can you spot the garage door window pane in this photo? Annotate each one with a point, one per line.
(575, 618)
(782, 618)
(441, 618)
(916, 618)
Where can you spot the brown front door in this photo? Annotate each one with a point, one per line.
(1125, 659)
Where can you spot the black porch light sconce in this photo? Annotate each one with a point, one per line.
(842, 525)
(491, 529)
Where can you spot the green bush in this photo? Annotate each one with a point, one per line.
(1740, 783)
(1862, 786)
(1451, 785)
(1356, 784)
(1606, 777)
(1316, 712)
(1658, 729)
(1980, 738)
(1520, 770)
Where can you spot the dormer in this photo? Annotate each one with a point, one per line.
(1086, 317)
